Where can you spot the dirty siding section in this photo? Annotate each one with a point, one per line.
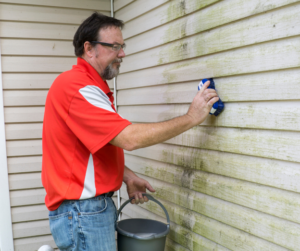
(36, 44)
(231, 183)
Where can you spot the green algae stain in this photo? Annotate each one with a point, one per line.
(160, 173)
(169, 77)
(181, 236)
(201, 4)
(186, 178)
(179, 9)
(176, 9)
(175, 31)
(148, 171)
(185, 157)
(177, 71)
(174, 52)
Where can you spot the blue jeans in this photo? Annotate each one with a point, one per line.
(84, 225)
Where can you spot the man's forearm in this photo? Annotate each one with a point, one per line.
(142, 135)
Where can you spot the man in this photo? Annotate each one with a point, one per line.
(84, 138)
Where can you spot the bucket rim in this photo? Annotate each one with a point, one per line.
(151, 237)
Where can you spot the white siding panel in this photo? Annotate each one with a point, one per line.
(256, 58)
(33, 243)
(21, 13)
(137, 8)
(162, 94)
(259, 115)
(27, 197)
(24, 164)
(234, 180)
(37, 30)
(118, 4)
(37, 64)
(29, 213)
(23, 148)
(24, 98)
(28, 229)
(24, 131)
(246, 195)
(110, 83)
(254, 87)
(216, 15)
(260, 143)
(36, 47)
(25, 181)
(76, 4)
(274, 25)
(164, 14)
(28, 81)
(23, 114)
(280, 174)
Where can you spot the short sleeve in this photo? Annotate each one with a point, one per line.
(92, 118)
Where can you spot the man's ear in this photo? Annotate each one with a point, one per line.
(88, 49)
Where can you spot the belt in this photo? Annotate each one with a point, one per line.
(109, 194)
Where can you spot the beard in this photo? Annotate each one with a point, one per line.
(110, 72)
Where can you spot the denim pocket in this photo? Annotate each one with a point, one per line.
(93, 207)
(62, 230)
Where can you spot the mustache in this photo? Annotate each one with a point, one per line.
(117, 60)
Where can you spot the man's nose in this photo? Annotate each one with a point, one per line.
(121, 53)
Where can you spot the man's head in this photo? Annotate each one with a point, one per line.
(99, 41)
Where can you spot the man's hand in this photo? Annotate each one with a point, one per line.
(202, 104)
(136, 186)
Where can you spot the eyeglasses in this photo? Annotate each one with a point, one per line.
(115, 47)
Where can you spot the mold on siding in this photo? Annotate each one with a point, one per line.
(235, 179)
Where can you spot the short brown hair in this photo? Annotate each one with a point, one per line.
(89, 30)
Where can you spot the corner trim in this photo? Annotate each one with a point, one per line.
(6, 234)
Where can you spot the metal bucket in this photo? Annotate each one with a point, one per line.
(142, 234)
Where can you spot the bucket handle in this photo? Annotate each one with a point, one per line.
(150, 198)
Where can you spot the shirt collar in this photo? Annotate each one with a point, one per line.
(86, 67)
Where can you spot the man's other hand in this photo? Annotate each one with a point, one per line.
(136, 186)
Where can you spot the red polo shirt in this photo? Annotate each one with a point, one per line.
(79, 122)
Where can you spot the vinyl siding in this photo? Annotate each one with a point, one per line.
(231, 183)
(36, 45)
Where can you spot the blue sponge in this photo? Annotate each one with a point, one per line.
(217, 107)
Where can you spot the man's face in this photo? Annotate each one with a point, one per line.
(107, 61)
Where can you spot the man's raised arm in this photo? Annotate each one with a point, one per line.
(137, 136)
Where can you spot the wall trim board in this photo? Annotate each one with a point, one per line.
(76, 4)
(5, 216)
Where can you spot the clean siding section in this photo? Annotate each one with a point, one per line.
(36, 46)
(231, 183)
